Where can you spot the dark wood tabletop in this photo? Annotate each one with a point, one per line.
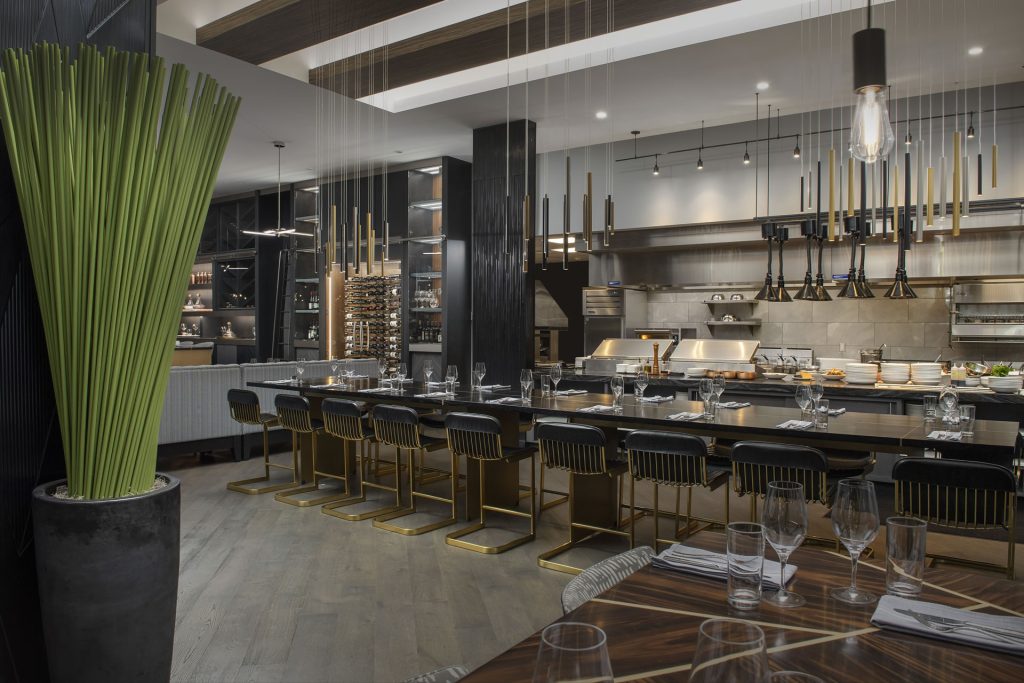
(652, 619)
(993, 441)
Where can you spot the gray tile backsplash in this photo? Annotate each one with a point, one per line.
(916, 329)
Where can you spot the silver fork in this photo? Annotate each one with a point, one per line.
(944, 625)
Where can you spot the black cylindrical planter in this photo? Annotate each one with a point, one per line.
(108, 583)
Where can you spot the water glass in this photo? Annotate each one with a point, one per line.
(729, 650)
(967, 420)
(479, 371)
(905, 540)
(784, 517)
(572, 651)
(855, 523)
(526, 383)
(803, 398)
(403, 372)
(745, 553)
(930, 405)
(556, 376)
(617, 386)
(640, 383)
(395, 383)
(821, 414)
(545, 385)
(705, 388)
(711, 408)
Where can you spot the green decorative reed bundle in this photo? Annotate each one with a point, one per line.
(114, 167)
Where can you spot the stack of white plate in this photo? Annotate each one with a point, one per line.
(895, 373)
(693, 373)
(926, 373)
(861, 373)
(1006, 385)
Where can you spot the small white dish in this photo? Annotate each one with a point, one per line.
(774, 375)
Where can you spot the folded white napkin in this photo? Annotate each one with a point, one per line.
(375, 390)
(690, 560)
(656, 399)
(506, 399)
(494, 387)
(278, 381)
(685, 416)
(945, 436)
(599, 408)
(327, 386)
(734, 404)
(569, 392)
(795, 424)
(835, 412)
(438, 384)
(434, 394)
(928, 619)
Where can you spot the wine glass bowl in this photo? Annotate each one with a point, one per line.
(641, 381)
(784, 518)
(718, 386)
(855, 522)
(479, 371)
(572, 651)
(556, 375)
(526, 383)
(729, 650)
(803, 398)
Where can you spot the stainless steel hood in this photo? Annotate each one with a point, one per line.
(632, 349)
(716, 354)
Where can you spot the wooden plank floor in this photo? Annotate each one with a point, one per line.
(272, 592)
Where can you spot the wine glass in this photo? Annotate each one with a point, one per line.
(428, 371)
(556, 375)
(300, 369)
(855, 522)
(640, 383)
(784, 518)
(526, 382)
(382, 367)
(617, 386)
(706, 389)
(402, 372)
(719, 387)
(729, 650)
(450, 376)
(572, 651)
(803, 398)
(479, 371)
(817, 389)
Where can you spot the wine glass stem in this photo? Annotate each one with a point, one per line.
(854, 558)
(782, 575)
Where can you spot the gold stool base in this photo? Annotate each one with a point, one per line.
(455, 539)
(332, 510)
(381, 522)
(242, 486)
(285, 497)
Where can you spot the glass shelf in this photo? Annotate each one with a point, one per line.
(434, 275)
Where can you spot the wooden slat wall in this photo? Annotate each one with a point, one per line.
(502, 294)
(32, 451)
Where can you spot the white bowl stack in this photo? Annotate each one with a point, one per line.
(926, 373)
(861, 373)
(1006, 385)
(895, 373)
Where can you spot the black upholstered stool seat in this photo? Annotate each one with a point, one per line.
(245, 408)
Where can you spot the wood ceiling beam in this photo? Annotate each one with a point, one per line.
(482, 40)
(269, 29)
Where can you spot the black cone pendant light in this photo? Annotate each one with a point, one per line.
(809, 229)
(768, 292)
(852, 289)
(781, 236)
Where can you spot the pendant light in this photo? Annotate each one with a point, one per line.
(767, 292)
(851, 289)
(700, 153)
(871, 135)
(970, 128)
(278, 231)
(796, 153)
(808, 229)
(746, 154)
(656, 170)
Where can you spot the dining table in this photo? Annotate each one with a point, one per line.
(652, 619)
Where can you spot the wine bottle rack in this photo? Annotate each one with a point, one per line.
(373, 318)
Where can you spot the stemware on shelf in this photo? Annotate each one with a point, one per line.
(479, 371)
(640, 383)
(855, 522)
(784, 518)
(617, 386)
(729, 650)
(572, 651)
(526, 383)
(556, 375)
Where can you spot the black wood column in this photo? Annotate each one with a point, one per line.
(502, 293)
(32, 453)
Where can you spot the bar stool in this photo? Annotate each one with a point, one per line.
(245, 408)
(478, 437)
(960, 494)
(676, 460)
(346, 420)
(295, 415)
(399, 426)
(579, 450)
(756, 463)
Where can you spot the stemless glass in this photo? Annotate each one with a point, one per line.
(479, 371)
(556, 376)
(784, 518)
(967, 420)
(729, 650)
(526, 382)
(803, 398)
(450, 376)
(855, 522)
(617, 385)
(905, 544)
(744, 551)
(403, 372)
(428, 371)
(572, 651)
(718, 385)
(640, 383)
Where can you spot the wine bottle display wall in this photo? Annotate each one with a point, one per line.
(373, 318)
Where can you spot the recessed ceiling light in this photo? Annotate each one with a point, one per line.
(601, 114)
(976, 50)
(763, 85)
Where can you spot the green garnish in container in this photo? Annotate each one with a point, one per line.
(1000, 370)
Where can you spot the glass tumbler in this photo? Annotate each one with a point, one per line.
(745, 553)
(930, 404)
(572, 651)
(905, 540)
(821, 414)
(967, 420)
